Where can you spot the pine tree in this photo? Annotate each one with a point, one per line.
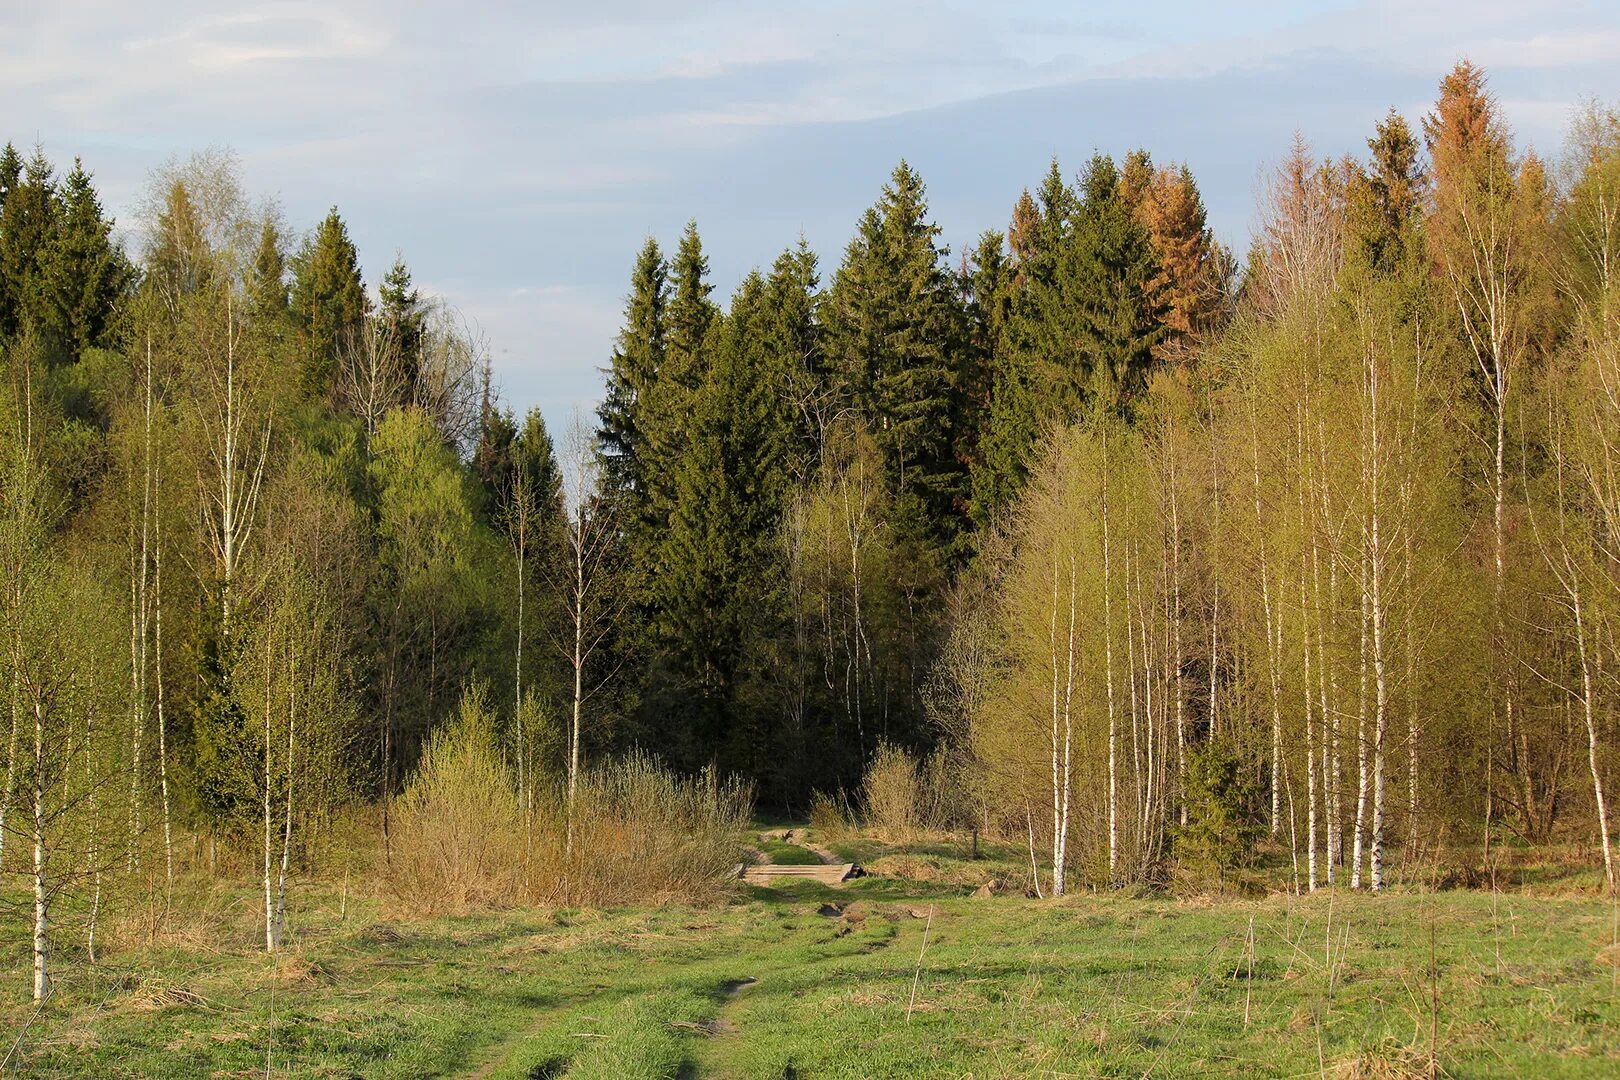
(328, 300)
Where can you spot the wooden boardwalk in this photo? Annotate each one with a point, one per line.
(771, 873)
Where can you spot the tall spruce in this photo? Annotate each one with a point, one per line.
(631, 376)
(329, 301)
(85, 271)
(27, 230)
(897, 334)
(404, 316)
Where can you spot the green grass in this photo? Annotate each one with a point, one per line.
(780, 851)
(1091, 985)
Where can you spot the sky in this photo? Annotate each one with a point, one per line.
(517, 153)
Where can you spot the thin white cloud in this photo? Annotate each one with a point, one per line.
(524, 143)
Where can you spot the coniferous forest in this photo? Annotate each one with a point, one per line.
(1155, 554)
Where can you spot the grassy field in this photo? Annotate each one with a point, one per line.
(891, 976)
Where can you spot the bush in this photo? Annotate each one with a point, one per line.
(464, 841)
(456, 843)
(945, 796)
(1224, 815)
(891, 790)
(639, 833)
(831, 818)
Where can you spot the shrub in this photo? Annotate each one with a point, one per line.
(945, 794)
(463, 840)
(891, 790)
(639, 833)
(830, 817)
(1223, 812)
(457, 827)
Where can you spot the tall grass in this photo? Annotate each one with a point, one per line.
(463, 840)
(640, 833)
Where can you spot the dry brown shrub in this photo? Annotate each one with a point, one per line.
(636, 832)
(639, 833)
(891, 790)
(831, 817)
(457, 834)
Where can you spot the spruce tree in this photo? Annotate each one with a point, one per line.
(85, 273)
(683, 371)
(637, 359)
(897, 335)
(1117, 266)
(404, 316)
(792, 335)
(328, 300)
(714, 591)
(27, 232)
(267, 280)
(1084, 323)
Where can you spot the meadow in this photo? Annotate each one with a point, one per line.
(902, 973)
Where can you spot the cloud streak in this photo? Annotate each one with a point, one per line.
(518, 154)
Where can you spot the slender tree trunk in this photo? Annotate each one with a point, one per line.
(1175, 657)
(92, 853)
(1588, 714)
(1379, 616)
(271, 935)
(42, 948)
(287, 820)
(1271, 649)
(580, 586)
(1108, 654)
(9, 793)
(162, 729)
(1361, 730)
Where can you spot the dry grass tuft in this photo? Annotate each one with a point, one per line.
(1387, 1062)
(153, 995)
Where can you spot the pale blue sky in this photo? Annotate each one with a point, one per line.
(517, 154)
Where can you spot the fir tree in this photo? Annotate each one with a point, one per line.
(731, 486)
(267, 280)
(791, 331)
(27, 231)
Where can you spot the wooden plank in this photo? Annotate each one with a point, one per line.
(835, 874)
